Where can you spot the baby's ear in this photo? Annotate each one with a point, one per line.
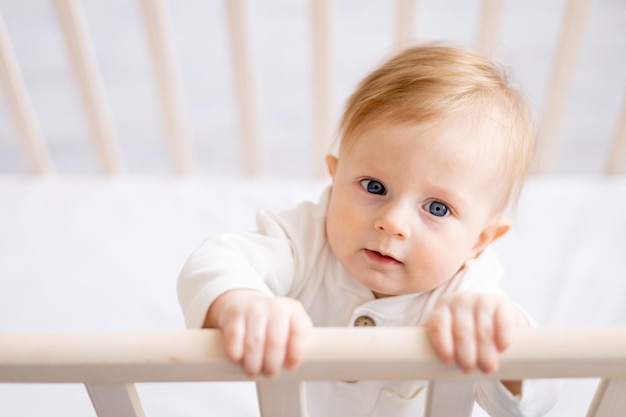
(331, 164)
(494, 230)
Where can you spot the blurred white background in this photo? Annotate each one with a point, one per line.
(280, 35)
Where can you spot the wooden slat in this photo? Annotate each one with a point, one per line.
(174, 115)
(244, 86)
(115, 400)
(21, 107)
(406, 27)
(609, 400)
(335, 354)
(82, 57)
(321, 24)
(568, 49)
(281, 399)
(617, 152)
(489, 25)
(450, 398)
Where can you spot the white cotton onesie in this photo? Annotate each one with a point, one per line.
(290, 256)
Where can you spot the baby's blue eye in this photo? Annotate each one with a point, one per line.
(373, 187)
(437, 209)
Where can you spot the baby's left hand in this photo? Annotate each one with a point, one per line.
(473, 329)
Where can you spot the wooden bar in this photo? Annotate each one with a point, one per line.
(489, 25)
(245, 87)
(450, 398)
(32, 142)
(568, 49)
(281, 399)
(91, 87)
(335, 354)
(175, 121)
(609, 399)
(406, 27)
(321, 24)
(617, 152)
(115, 400)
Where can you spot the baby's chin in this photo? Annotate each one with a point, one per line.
(381, 295)
(386, 294)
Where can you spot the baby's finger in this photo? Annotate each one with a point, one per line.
(505, 322)
(440, 333)
(233, 331)
(254, 343)
(299, 340)
(464, 333)
(275, 345)
(487, 353)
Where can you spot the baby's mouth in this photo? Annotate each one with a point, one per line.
(381, 258)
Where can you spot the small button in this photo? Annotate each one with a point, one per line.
(364, 321)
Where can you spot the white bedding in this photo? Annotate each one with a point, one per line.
(103, 254)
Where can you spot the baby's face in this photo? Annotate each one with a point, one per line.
(410, 203)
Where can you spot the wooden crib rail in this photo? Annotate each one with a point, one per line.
(174, 119)
(25, 119)
(87, 74)
(335, 353)
(107, 362)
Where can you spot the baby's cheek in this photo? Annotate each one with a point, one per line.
(435, 267)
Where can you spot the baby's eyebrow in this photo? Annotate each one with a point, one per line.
(366, 165)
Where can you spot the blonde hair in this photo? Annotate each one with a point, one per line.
(436, 81)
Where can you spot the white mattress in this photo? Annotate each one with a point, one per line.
(103, 254)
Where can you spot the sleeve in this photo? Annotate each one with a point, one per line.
(538, 397)
(269, 260)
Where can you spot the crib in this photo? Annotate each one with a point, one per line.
(130, 131)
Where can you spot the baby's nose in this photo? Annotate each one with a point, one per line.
(394, 222)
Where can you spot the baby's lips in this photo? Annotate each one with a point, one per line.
(381, 257)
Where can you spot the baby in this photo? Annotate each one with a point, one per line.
(435, 144)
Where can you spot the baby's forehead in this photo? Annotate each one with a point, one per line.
(480, 132)
(461, 143)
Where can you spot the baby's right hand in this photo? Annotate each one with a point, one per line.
(262, 333)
